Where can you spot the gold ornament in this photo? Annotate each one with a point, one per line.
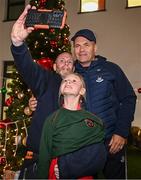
(135, 131)
(24, 141)
(27, 111)
(20, 95)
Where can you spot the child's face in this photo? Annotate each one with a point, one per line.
(72, 85)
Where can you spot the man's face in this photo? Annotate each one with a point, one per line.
(64, 64)
(84, 50)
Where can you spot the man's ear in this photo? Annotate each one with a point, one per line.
(73, 69)
(54, 66)
(95, 48)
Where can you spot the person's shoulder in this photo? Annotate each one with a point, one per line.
(56, 112)
(109, 64)
(112, 64)
(52, 116)
(52, 75)
(88, 115)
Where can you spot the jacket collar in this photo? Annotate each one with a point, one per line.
(97, 61)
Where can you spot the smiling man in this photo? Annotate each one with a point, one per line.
(109, 95)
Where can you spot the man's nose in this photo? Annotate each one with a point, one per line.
(66, 63)
(81, 48)
(69, 81)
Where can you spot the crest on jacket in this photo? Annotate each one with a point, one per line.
(99, 79)
(89, 122)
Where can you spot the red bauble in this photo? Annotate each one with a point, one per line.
(2, 126)
(139, 90)
(46, 63)
(42, 1)
(52, 30)
(2, 160)
(53, 44)
(9, 101)
(3, 123)
(42, 4)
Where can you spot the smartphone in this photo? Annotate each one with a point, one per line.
(45, 19)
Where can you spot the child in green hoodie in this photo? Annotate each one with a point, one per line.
(72, 136)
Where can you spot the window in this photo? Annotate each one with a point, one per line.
(14, 9)
(7, 74)
(133, 3)
(92, 5)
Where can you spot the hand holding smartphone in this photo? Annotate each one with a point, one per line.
(45, 19)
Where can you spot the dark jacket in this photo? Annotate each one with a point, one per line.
(44, 85)
(109, 95)
(66, 132)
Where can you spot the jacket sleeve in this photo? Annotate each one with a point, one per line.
(45, 150)
(126, 100)
(34, 76)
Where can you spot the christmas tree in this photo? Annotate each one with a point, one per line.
(44, 45)
(48, 43)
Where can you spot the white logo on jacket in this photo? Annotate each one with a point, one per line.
(99, 79)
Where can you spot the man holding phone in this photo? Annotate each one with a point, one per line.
(44, 85)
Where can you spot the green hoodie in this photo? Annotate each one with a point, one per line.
(66, 131)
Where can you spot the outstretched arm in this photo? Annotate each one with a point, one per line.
(19, 32)
(34, 76)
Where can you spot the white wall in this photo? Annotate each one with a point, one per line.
(118, 32)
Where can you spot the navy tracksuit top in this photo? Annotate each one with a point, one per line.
(109, 94)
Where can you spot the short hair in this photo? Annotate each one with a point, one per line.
(63, 53)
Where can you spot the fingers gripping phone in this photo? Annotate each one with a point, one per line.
(45, 19)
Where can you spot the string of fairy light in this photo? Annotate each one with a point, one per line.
(19, 134)
(13, 132)
(9, 95)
